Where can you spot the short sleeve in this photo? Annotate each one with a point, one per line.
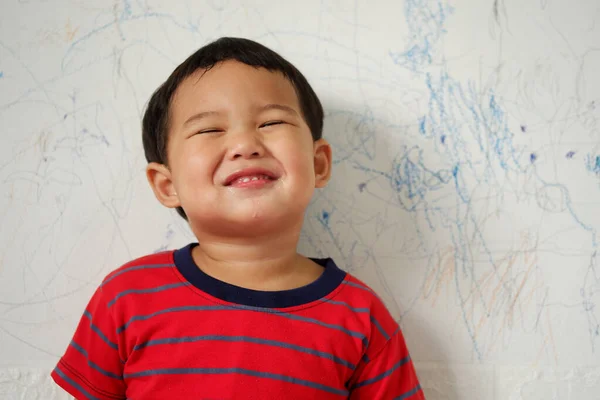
(389, 375)
(91, 367)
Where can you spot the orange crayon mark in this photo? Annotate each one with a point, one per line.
(70, 32)
(440, 276)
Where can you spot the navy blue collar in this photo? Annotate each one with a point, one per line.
(330, 279)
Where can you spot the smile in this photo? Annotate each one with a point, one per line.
(247, 179)
(249, 176)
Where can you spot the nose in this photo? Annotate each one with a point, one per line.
(245, 145)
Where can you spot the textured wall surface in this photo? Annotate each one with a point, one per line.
(465, 190)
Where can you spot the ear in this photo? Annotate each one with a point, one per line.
(322, 159)
(159, 177)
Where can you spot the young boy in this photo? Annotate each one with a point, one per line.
(233, 142)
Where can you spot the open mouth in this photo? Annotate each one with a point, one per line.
(254, 178)
(250, 176)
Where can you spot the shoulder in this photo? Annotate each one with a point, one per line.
(379, 322)
(148, 268)
(359, 292)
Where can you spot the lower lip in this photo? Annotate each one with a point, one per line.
(257, 184)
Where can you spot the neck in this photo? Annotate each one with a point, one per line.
(263, 262)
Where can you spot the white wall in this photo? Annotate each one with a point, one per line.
(466, 187)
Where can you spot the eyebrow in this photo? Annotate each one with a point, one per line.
(281, 107)
(199, 116)
(205, 114)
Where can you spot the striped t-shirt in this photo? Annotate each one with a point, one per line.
(160, 328)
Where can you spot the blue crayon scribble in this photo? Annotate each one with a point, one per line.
(426, 21)
(1, 74)
(422, 125)
(455, 171)
(593, 163)
(532, 157)
(127, 9)
(325, 218)
(412, 179)
(464, 142)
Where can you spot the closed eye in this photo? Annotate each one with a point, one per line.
(212, 130)
(271, 123)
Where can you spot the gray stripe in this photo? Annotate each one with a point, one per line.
(409, 393)
(385, 374)
(242, 371)
(374, 321)
(189, 339)
(99, 332)
(305, 319)
(75, 384)
(168, 310)
(356, 285)
(359, 335)
(148, 290)
(135, 268)
(242, 307)
(343, 303)
(92, 364)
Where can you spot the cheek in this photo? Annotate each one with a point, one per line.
(301, 164)
(194, 164)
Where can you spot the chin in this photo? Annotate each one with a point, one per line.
(259, 218)
(261, 221)
(264, 216)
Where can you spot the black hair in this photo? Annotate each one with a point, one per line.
(155, 124)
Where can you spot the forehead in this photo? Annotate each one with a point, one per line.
(232, 84)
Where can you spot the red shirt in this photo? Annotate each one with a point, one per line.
(160, 328)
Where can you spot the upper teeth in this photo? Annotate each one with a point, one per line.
(254, 178)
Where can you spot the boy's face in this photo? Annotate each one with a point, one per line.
(239, 151)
